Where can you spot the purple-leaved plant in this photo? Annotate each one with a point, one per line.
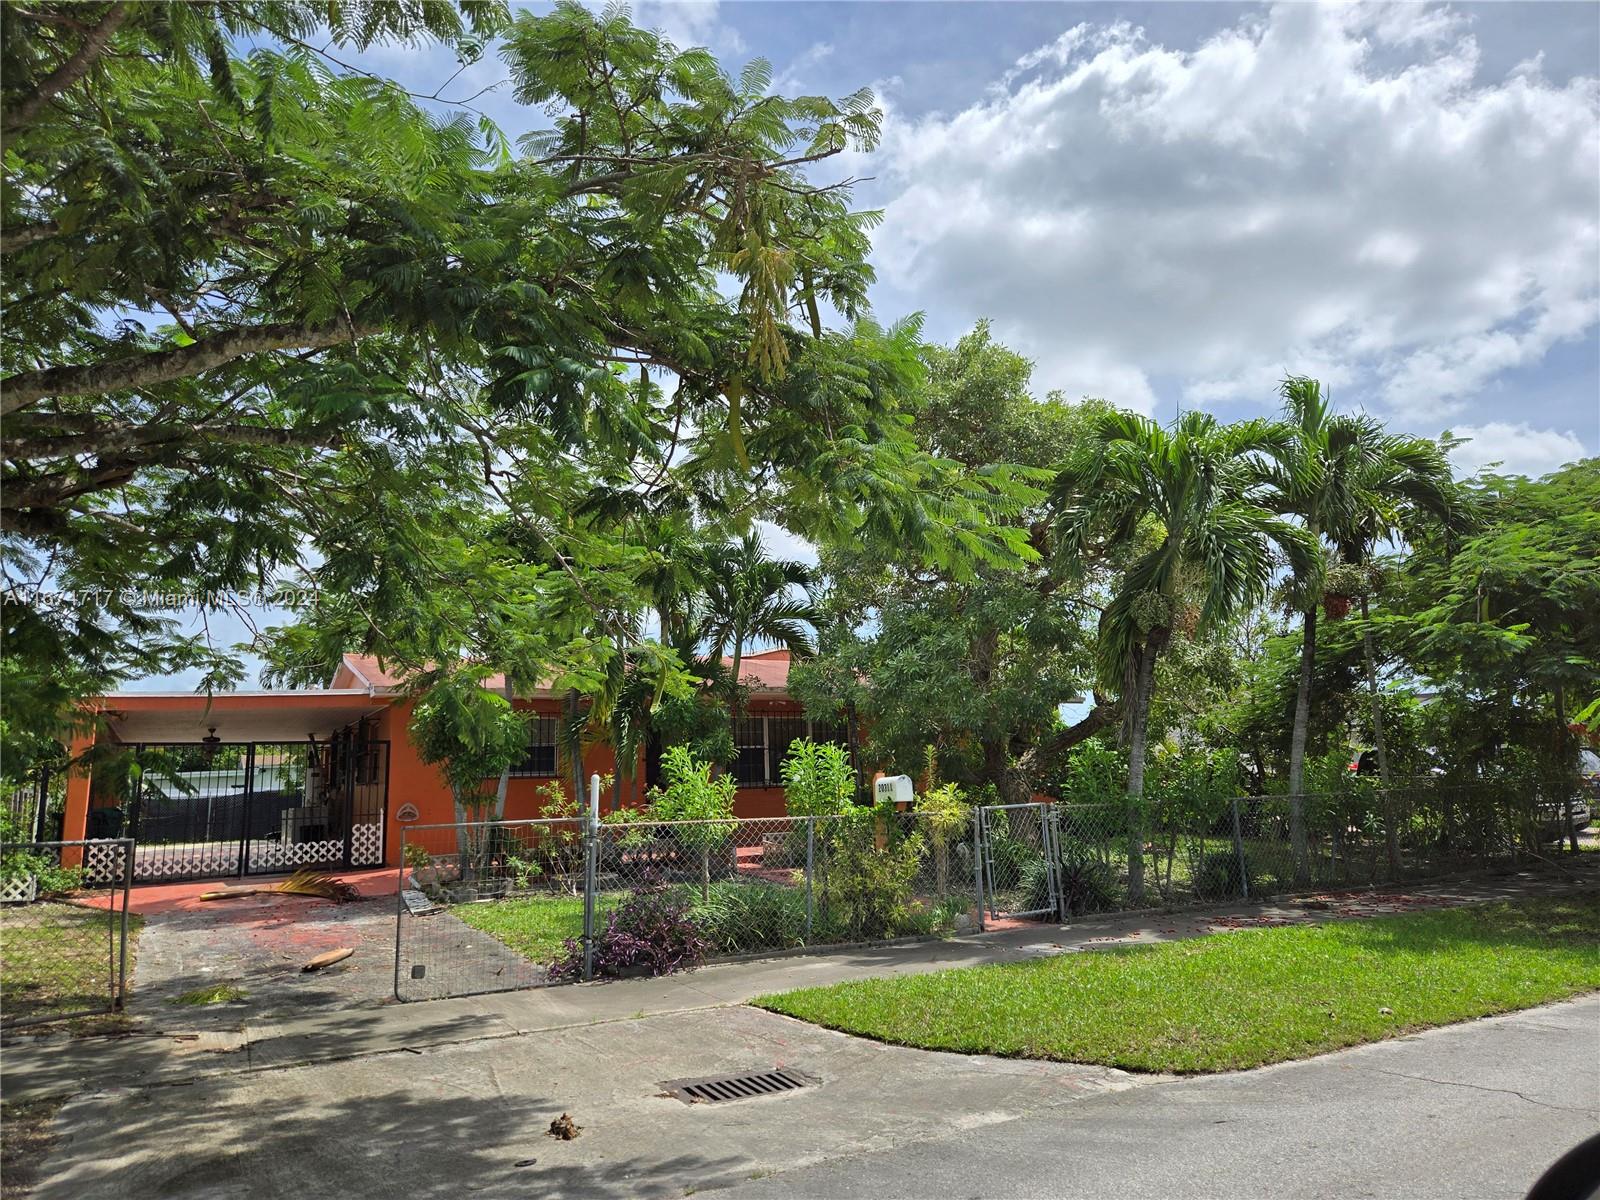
(650, 931)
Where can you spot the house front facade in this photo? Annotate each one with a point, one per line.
(247, 783)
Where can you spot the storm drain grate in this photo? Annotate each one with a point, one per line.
(722, 1089)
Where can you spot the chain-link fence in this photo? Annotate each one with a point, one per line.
(500, 905)
(486, 906)
(64, 928)
(1132, 855)
(491, 906)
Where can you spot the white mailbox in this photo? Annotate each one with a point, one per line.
(895, 788)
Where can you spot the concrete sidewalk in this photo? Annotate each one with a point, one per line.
(58, 1066)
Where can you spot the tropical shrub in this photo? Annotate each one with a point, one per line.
(53, 879)
(1089, 885)
(817, 780)
(649, 932)
(867, 891)
(693, 795)
(944, 812)
(741, 918)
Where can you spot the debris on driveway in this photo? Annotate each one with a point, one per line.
(329, 958)
(565, 1128)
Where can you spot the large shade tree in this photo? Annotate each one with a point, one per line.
(267, 312)
(1194, 499)
(975, 662)
(1504, 614)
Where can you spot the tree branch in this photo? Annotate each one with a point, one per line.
(1103, 715)
(26, 235)
(28, 387)
(125, 436)
(68, 73)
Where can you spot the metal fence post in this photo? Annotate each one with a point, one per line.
(811, 866)
(977, 860)
(1055, 864)
(1238, 850)
(399, 910)
(128, 847)
(591, 843)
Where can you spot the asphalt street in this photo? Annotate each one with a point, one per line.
(1469, 1111)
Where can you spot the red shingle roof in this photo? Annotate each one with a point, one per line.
(767, 672)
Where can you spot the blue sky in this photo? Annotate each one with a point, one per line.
(1176, 204)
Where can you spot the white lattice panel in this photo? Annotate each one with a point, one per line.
(102, 864)
(19, 889)
(264, 856)
(160, 866)
(366, 845)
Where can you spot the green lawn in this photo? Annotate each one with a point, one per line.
(1234, 1000)
(535, 926)
(57, 958)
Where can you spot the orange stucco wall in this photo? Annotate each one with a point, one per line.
(75, 816)
(416, 783)
(412, 781)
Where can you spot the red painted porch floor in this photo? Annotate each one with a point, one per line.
(148, 899)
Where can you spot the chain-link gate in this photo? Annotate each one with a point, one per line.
(1017, 851)
(63, 928)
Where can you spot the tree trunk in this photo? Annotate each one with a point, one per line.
(1391, 833)
(733, 702)
(1563, 779)
(705, 874)
(1143, 677)
(505, 775)
(852, 737)
(1297, 749)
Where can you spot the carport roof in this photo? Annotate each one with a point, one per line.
(282, 716)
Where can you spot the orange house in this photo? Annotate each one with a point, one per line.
(257, 782)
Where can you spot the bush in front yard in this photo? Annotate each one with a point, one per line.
(742, 918)
(650, 933)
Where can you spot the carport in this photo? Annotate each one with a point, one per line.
(237, 783)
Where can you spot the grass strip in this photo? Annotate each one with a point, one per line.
(1234, 1000)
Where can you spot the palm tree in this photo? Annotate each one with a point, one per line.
(621, 708)
(1189, 504)
(752, 600)
(1353, 484)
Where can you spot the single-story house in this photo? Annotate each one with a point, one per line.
(258, 782)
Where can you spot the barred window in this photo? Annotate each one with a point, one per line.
(828, 731)
(782, 732)
(750, 740)
(541, 756)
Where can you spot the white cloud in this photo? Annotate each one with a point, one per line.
(793, 79)
(688, 23)
(1519, 449)
(1318, 189)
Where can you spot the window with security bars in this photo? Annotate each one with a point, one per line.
(542, 753)
(750, 741)
(830, 732)
(782, 732)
